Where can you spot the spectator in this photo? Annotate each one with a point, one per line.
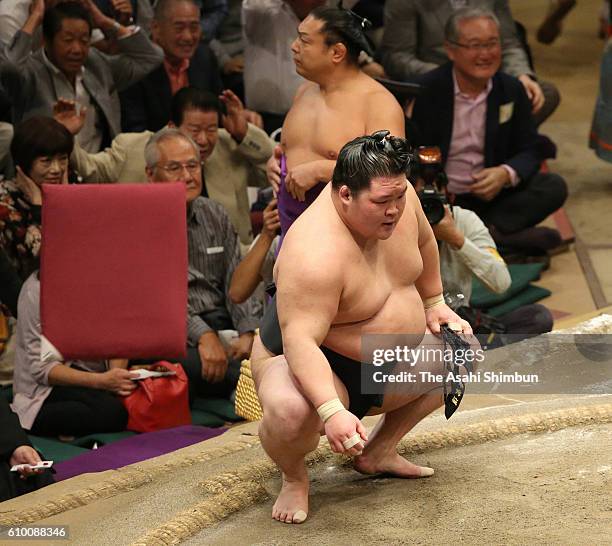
(14, 14)
(413, 44)
(232, 158)
(213, 252)
(40, 149)
(15, 448)
(257, 265)
(68, 68)
(467, 250)
(187, 62)
(481, 119)
(72, 398)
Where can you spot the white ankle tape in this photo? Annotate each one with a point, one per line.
(433, 301)
(329, 409)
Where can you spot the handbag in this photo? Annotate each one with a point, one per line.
(159, 402)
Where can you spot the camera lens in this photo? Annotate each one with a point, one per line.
(433, 208)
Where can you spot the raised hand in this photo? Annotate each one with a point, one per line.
(123, 11)
(69, 115)
(235, 122)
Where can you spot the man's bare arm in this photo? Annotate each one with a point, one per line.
(307, 297)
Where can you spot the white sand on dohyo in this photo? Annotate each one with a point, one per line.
(509, 468)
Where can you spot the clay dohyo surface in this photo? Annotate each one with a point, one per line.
(551, 488)
(520, 469)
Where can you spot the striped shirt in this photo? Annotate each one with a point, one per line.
(214, 253)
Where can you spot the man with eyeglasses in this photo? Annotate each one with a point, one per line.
(232, 157)
(214, 252)
(413, 44)
(481, 119)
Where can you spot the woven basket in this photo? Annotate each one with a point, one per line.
(247, 403)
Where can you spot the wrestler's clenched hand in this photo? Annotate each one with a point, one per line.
(341, 427)
(443, 314)
(301, 178)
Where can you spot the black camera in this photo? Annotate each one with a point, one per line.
(429, 169)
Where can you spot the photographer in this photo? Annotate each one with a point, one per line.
(466, 249)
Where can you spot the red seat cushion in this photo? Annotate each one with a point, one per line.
(114, 270)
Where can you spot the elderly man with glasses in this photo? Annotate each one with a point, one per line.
(413, 44)
(481, 119)
(212, 365)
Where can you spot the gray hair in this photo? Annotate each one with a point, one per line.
(451, 30)
(151, 151)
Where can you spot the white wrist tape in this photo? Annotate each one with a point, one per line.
(434, 301)
(329, 409)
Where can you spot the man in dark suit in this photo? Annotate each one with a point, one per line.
(15, 448)
(481, 119)
(187, 62)
(413, 44)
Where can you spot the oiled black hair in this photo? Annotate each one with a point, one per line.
(344, 26)
(368, 157)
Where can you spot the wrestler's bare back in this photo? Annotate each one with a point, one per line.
(319, 124)
(378, 293)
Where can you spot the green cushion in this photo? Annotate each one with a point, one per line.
(521, 274)
(54, 450)
(221, 407)
(205, 419)
(531, 294)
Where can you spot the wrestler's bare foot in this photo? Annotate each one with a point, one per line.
(291, 506)
(393, 464)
